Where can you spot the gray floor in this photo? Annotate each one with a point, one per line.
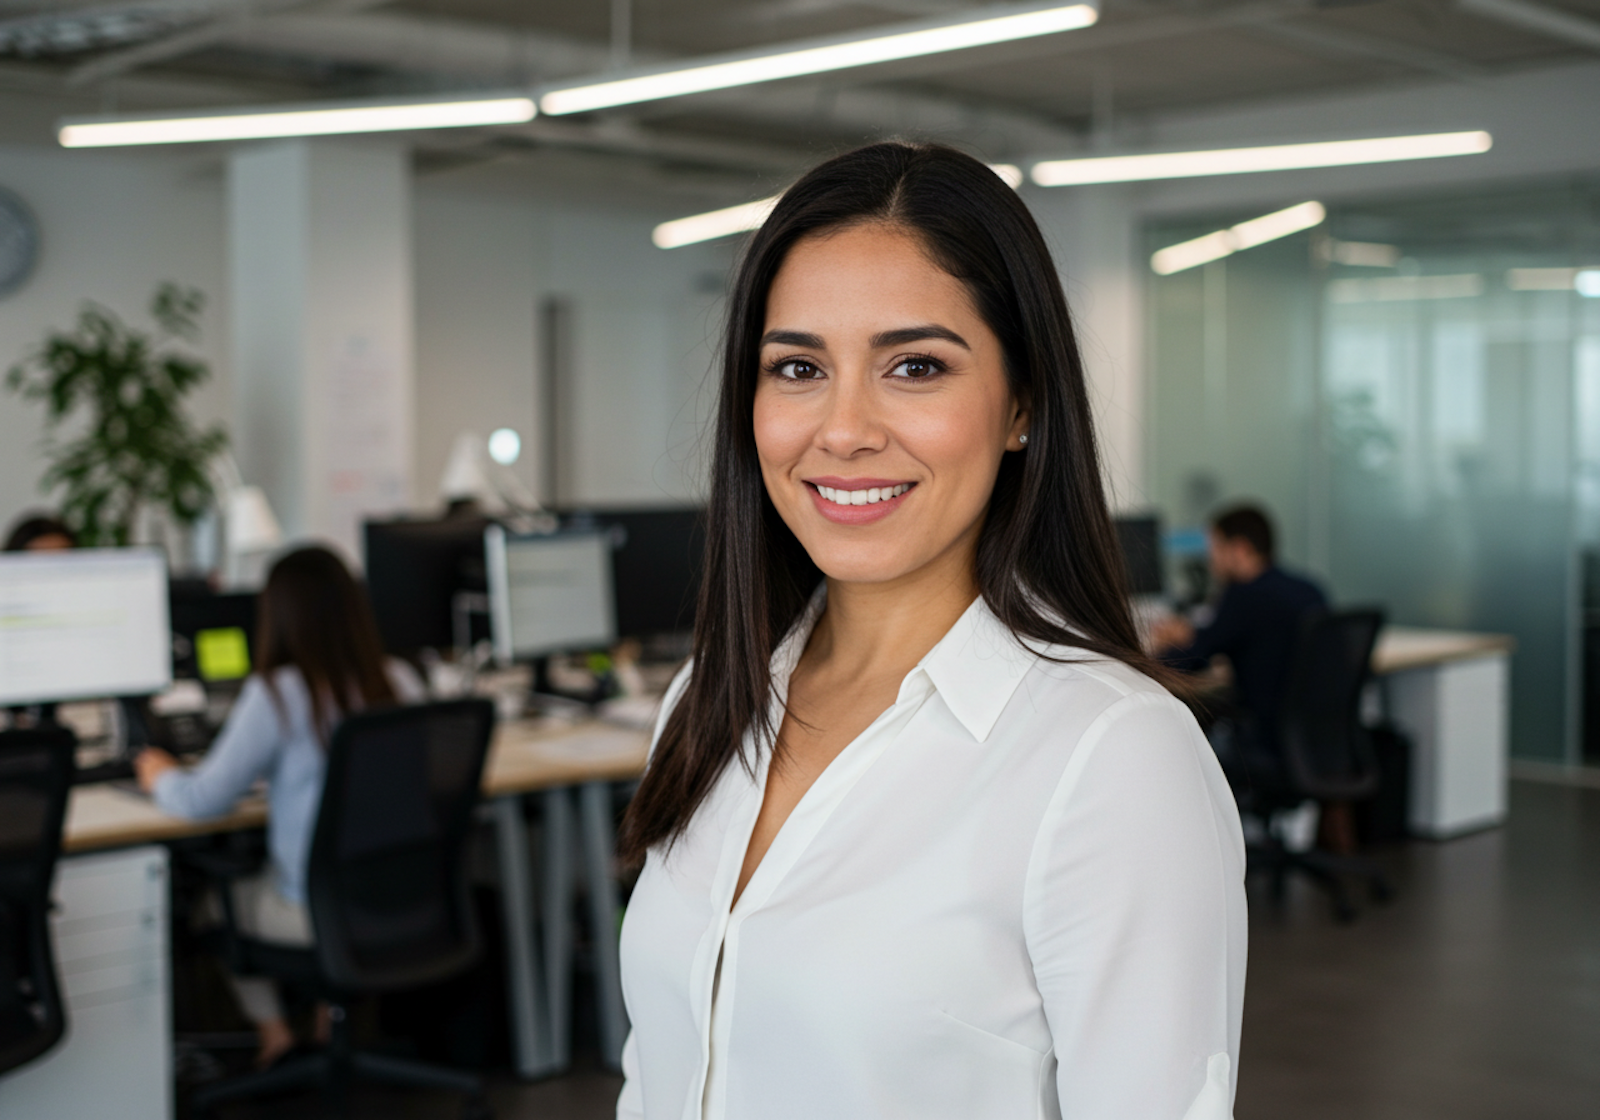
(1474, 996)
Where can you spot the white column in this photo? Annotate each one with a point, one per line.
(1093, 232)
(322, 306)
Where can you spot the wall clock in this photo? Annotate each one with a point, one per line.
(19, 242)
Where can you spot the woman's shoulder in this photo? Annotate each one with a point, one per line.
(1069, 696)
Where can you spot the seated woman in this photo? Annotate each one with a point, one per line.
(318, 656)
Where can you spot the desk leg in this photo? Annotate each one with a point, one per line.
(598, 854)
(556, 922)
(532, 1042)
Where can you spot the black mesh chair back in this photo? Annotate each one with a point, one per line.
(35, 776)
(387, 879)
(1327, 754)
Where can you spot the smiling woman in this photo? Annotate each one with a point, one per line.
(930, 839)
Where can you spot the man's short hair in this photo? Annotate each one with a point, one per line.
(1250, 524)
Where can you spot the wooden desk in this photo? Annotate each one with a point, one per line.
(1403, 647)
(526, 756)
(560, 763)
(1450, 690)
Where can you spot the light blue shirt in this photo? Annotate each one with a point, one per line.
(258, 742)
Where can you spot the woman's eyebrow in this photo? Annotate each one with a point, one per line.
(904, 335)
(794, 338)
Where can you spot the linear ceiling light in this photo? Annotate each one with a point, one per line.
(994, 24)
(749, 215)
(325, 119)
(1237, 161)
(1245, 235)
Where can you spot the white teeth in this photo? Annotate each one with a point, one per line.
(870, 496)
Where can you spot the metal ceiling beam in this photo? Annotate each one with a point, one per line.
(1344, 44)
(208, 34)
(1551, 22)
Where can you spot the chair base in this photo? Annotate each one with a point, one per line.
(1326, 870)
(334, 1068)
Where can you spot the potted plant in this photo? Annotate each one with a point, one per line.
(138, 448)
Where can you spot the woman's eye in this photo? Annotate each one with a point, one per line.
(797, 370)
(916, 369)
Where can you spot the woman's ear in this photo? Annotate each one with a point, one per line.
(1021, 418)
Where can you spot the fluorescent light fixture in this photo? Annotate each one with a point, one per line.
(1238, 161)
(749, 215)
(326, 119)
(1009, 173)
(717, 223)
(1360, 254)
(999, 24)
(1245, 235)
(1397, 289)
(1585, 281)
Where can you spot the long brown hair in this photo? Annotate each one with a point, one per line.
(314, 616)
(1048, 564)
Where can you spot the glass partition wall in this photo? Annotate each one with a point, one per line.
(1413, 388)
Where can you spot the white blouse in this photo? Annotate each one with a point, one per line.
(1018, 894)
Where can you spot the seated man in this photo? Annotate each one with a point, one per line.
(1255, 625)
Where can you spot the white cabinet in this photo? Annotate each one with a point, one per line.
(110, 930)
(1457, 715)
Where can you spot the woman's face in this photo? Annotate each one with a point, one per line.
(882, 409)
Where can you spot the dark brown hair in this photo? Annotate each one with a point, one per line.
(314, 616)
(1048, 561)
(33, 526)
(1249, 524)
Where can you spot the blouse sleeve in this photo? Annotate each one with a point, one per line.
(1135, 920)
(243, 752)
(630, 1104)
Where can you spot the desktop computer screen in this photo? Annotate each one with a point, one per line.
(549, 594)
(414, 570)
(83, 625)
(1140, 538)
(656, 559)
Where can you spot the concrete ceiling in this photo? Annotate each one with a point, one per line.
(1144, 57)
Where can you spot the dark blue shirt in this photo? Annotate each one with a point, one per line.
(1255, 628)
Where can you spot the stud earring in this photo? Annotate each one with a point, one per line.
(1023, 439)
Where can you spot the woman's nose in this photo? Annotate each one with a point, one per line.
(853, 423)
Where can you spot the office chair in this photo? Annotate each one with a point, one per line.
(1326, 753)
(387, 890)
(35, 776)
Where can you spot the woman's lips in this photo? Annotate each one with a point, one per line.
(857, 501)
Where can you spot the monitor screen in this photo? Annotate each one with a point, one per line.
(549, 594)
(414, 570)
(656, 559)
(212, 634)
(84, 624)
(1140, 538)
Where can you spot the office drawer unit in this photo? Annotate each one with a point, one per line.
(110, 930)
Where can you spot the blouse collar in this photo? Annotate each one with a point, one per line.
(975, 667)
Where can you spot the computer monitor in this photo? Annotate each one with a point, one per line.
(656, 559)
(82, 625)
(1140, 538)
(414, 571)
(212, 634)
(549, 594)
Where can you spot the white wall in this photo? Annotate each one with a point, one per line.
(644, 319)
(113, 227)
